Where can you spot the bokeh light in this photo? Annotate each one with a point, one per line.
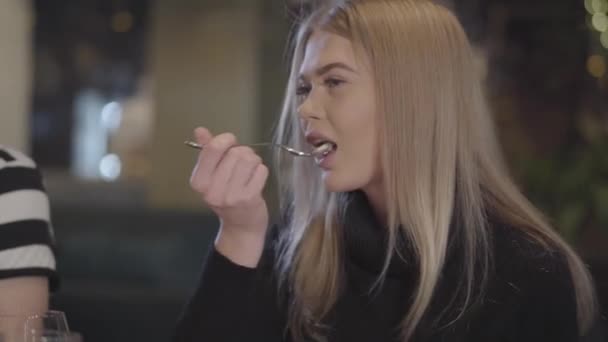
(111, 116)
(110, 167)
(599, 6)
(596, 65)
(122, 22)
(600, 22)
(604, 39)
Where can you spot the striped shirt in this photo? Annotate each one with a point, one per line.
(26, 234)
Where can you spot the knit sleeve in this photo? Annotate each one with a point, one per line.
(26, 236)
(232, 303)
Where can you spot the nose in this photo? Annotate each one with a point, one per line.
(310, 108)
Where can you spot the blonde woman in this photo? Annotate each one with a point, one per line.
(409, 229)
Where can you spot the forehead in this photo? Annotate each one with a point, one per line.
(325, 47)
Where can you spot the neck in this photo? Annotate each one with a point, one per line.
(376, 197)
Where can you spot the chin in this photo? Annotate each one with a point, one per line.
(336, 183)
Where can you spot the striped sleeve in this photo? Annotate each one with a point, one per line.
(26, 234)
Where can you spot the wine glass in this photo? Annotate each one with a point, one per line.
(51, 326)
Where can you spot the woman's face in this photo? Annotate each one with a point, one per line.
(336, 103)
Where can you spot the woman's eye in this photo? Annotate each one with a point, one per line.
(333, 82)
(302, 90)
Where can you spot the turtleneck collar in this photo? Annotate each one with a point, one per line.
(366, 240)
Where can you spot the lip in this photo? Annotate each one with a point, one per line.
(325, 162)
(314, 137)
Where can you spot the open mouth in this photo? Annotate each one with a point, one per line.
(323, 148)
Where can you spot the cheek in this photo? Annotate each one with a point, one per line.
(368, 157)
(365, 139)
(357, 134)
(355, 126)
(357, 161)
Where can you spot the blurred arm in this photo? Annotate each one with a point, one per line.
(21, 297)
(24, 295)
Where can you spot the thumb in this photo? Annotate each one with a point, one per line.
(202, 135)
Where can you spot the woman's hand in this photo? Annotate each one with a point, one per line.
(231, 179)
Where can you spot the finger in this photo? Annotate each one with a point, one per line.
(209, 158)
(215, 150)
(248, 160)
(219, 187)
(202, 135)
(258, 181)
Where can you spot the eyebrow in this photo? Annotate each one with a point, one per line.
(327, 67)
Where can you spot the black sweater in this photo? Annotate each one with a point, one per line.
(529, 297)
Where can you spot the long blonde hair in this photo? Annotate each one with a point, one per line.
(440, 162)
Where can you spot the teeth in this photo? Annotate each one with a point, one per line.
(323, 149)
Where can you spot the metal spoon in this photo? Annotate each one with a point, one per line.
(318, 151)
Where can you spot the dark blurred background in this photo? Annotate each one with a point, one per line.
(102, 93)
